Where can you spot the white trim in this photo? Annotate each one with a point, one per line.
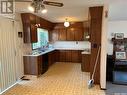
(8, 88)
(104, 49)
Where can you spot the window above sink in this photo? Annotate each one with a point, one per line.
(42, 39)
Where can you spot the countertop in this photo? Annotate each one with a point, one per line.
(52, 49)
(42, 53)
(86, 52)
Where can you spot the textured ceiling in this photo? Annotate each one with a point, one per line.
(77, 10)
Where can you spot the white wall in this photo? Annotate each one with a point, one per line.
(115, 27)
(103, 49)
(78, 45)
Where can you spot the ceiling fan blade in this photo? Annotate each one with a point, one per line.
(23, 0)
(53, 3)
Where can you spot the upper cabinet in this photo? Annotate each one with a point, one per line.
(62, 34)
(73, 33)
(30, 24)
(70, 34)
(95, 21)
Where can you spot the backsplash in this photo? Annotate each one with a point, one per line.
(72, 44)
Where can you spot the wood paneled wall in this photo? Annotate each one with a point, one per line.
(95, 39)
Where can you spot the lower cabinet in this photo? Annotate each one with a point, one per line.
(85, 65)
(33, 65)
(37, 65)
(73, 56)
(53, 57)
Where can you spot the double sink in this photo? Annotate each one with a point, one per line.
(39, 52)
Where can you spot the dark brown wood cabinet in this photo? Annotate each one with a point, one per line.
(78, 34)
(70, 34)
(73, 56)
(62, 54)
(73, 33)
(62, 34)
(76, 56)
(53, 57)
(68, 56)
(53, 35)
(29, 28)
(95, 18)
(33, 65)
(30, 24)
(33, 33)
(85, 65)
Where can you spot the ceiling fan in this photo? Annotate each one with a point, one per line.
(38, 5)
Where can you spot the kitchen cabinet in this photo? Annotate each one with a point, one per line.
(95, 19)
(29, 28)
(33, 65)
(78, 34)
(62, 34)
(85, 65)
(73, 33)
(73, 56)
(33, 36)
(68, 56)
(37, 65)
(62, 54)
(70, 34)
(52, 57)
(30, 24)
(76, 56)
(53, 35)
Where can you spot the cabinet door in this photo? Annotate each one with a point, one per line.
(40, 62)
(62, 56)
(79, 56)
(95, 31)
(62, 34)
(57, 56)
(75, 56)
(38, 21)
(33, 31)
(70, 34)
(51, 58)
(68, 56)
(32, 18)
(85, 62)
(54, 35)
(79, 34)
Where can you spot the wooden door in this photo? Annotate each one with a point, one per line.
(62, 34)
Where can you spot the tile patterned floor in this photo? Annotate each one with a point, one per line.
(60, 79)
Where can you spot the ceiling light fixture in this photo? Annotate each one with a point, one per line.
(44, 11)
(31, 8)
(37, 6)
(66, 23)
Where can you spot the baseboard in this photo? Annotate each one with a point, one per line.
(8, 88)
(102, 88)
